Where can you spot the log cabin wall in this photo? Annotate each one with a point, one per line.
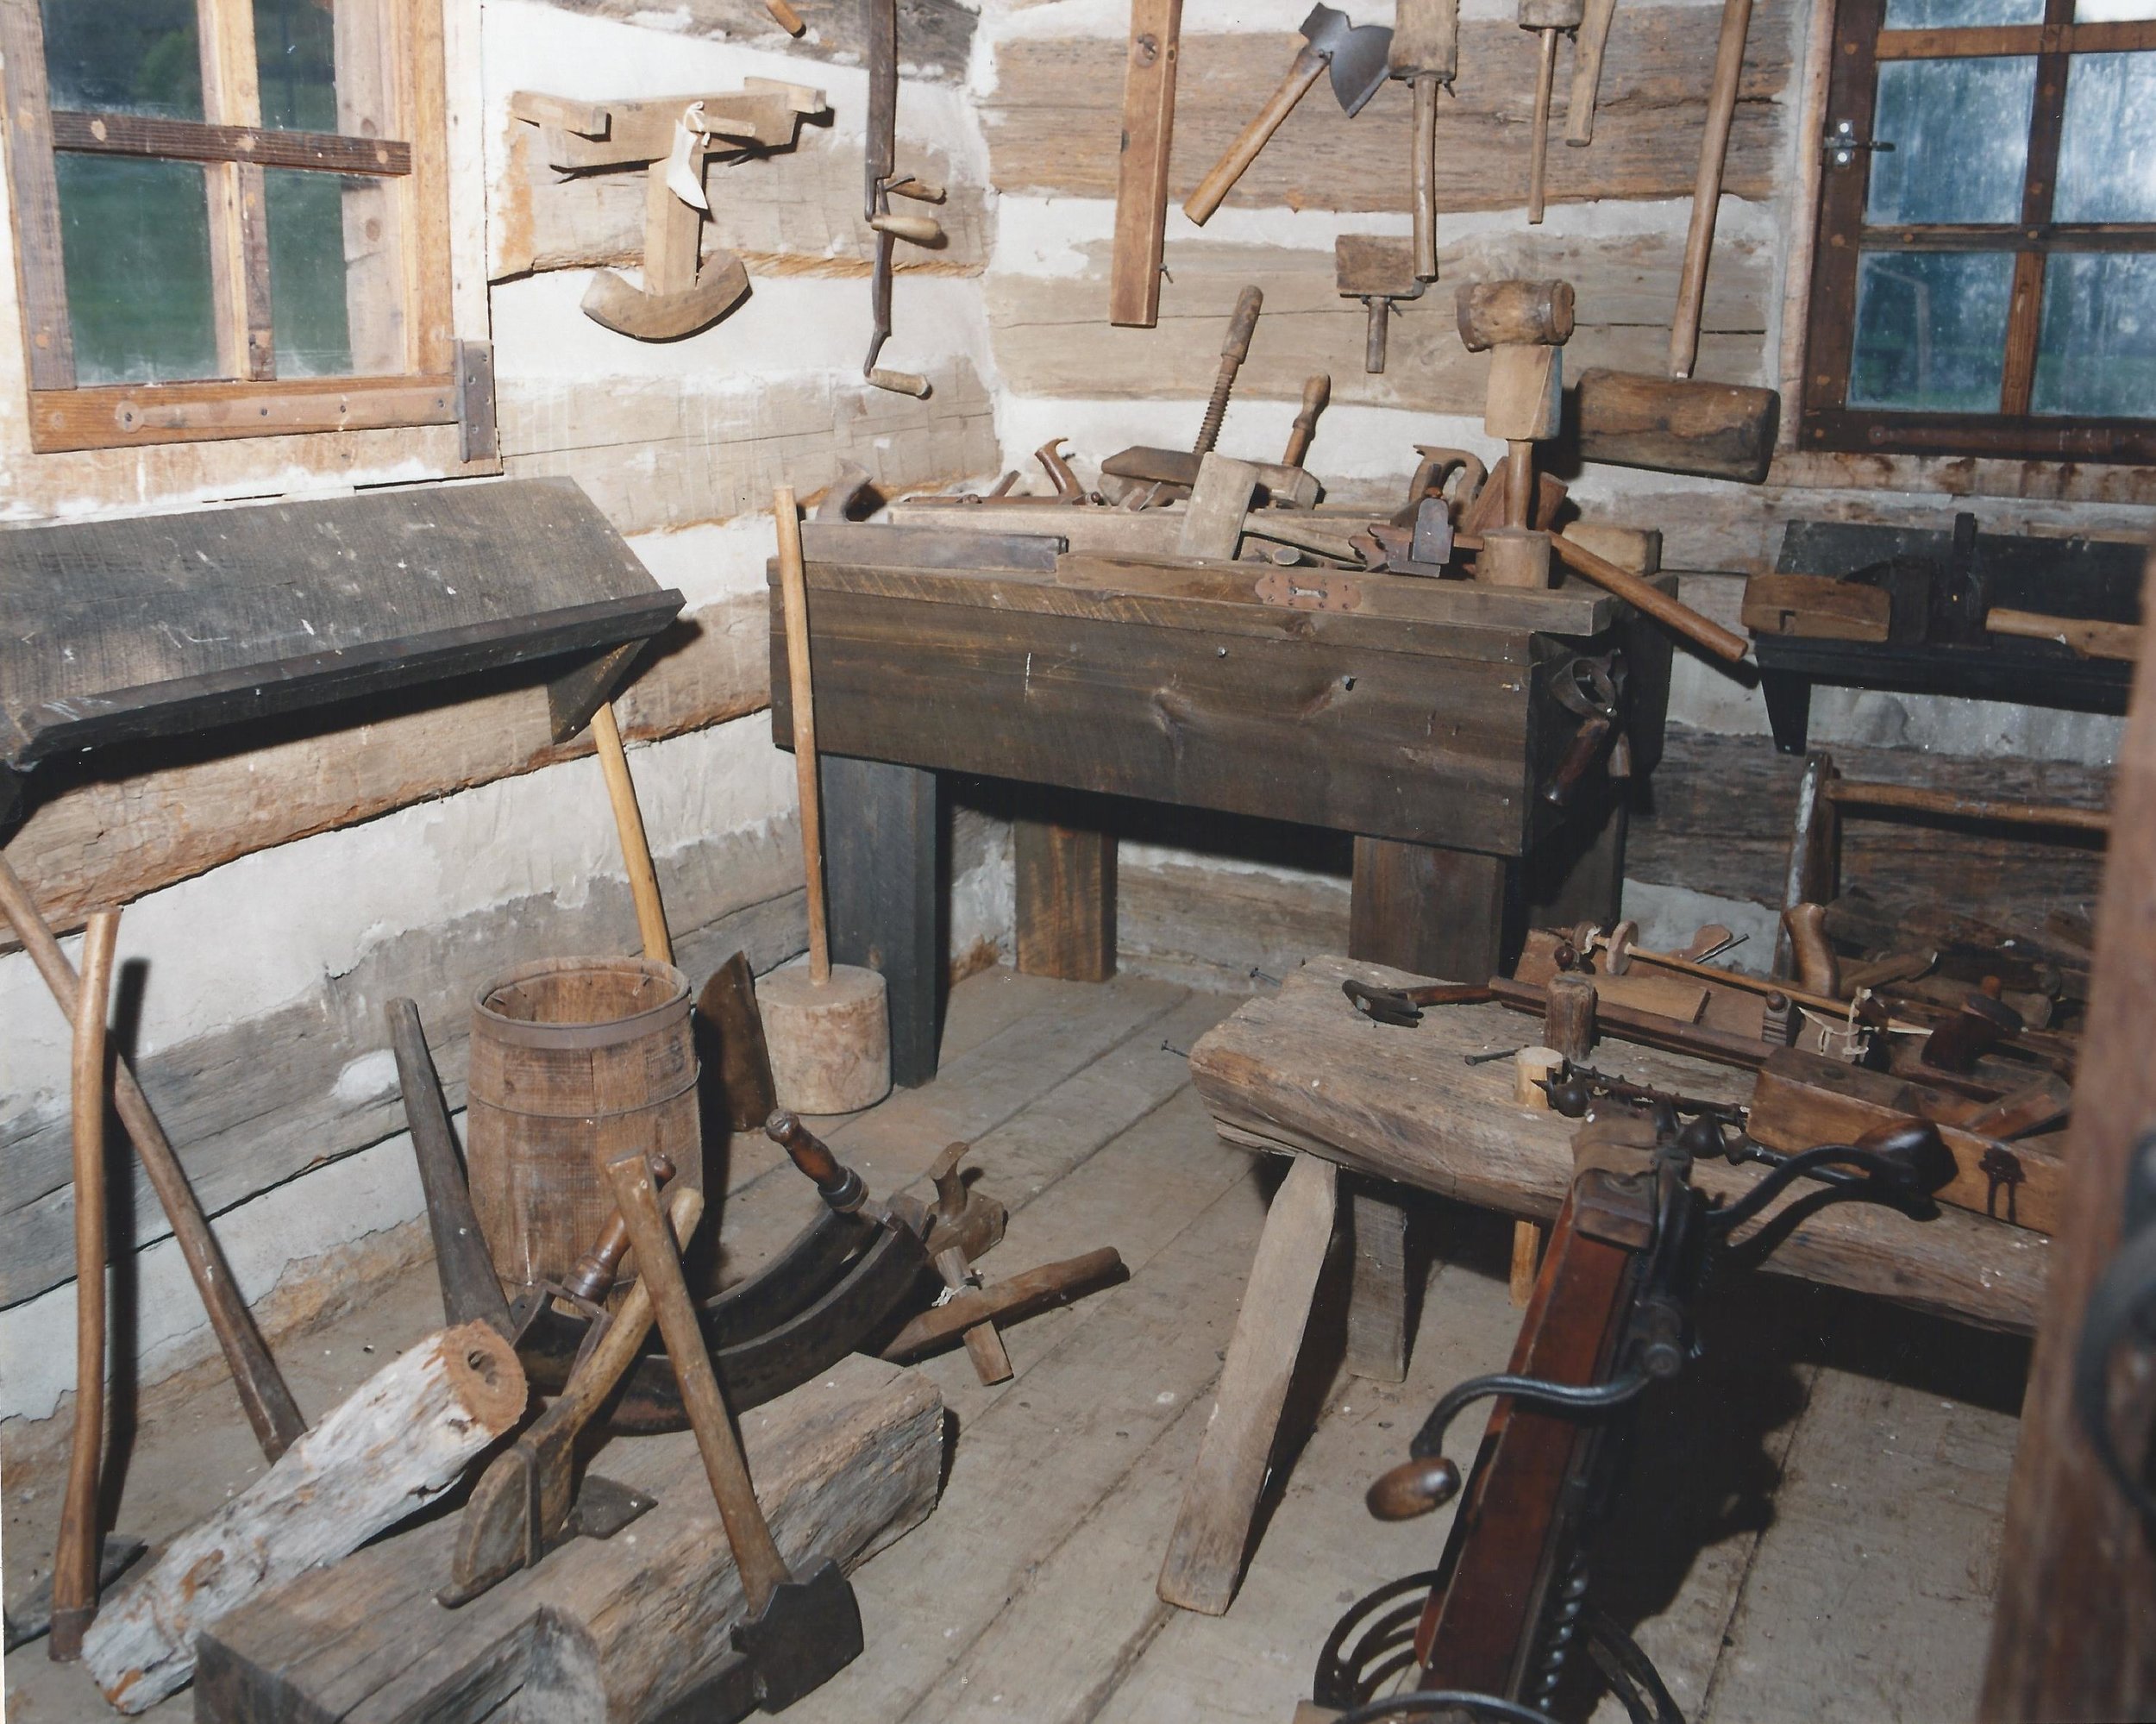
(1711, 842)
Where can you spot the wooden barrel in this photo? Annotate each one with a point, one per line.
(573, 1061)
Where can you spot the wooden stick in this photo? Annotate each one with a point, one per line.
(2089, 637)
(793, 590)
(1141, 182)
(635, 848)
(75, 1558)
(764, 1569)
(1849, 792)
(268, 1403)
(1706, 188)
(1670, 612)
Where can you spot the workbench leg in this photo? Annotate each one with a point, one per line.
(1205, 1553)
(1379, 1306)
(1788, 697)
(1578, 874)
(880, 878)
(1066, 901)
(1429, 910)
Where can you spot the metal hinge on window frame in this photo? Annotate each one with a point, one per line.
(1841, 146)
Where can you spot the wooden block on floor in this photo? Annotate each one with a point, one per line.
(1066, 901)
(1205, 1556)
(617, 1628)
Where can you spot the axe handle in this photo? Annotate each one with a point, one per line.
(764, 1569)
(1706, 190)
(1425, 178)
(1587, 72)
(1216, 186)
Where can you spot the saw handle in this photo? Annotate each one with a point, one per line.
(1642, 595)
(1216, 186)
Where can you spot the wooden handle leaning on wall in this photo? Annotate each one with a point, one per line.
(635, 848)
(1671, 613)
(793, 594)
(267, 1401)
(75, 1557)
(1706, 188)
(1216, 186)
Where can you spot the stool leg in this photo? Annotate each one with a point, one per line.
(1527, 1260)
(1205, 1555)
(1378, 1298)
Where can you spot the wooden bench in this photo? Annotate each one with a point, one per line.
(1301, 1072)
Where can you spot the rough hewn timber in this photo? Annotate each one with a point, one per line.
(1055, 116)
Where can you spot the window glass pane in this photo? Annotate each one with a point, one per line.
(134, 240)
(306, 259)
(1955, 14)
(296, 63)
(2106, 153)
(1931, 330)
(2096, 351)
(2112, 11)
(124, 56)
(1959, 128)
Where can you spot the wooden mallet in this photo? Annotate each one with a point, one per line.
(827, 1026)
(1522, 325)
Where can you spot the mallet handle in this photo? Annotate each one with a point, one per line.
(793, 590)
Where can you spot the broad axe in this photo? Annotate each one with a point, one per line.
(1357, 55)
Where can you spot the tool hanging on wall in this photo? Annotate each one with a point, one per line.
(1141, 173)
(1587, 45)
(1379, 271)
(1548, 19)
(674, 139)
(1673, 424)
(881, 182)
(1356, 56)
(1424, 52)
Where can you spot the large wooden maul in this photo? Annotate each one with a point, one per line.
(1522, 325)
(1502, 314)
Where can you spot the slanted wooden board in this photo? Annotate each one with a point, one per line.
(1302, 1069)
(158, 626)
(618, 1628)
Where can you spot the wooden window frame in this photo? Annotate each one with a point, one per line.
(1827, 422)
(236, 149)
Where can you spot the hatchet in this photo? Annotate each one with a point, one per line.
(1355, 53)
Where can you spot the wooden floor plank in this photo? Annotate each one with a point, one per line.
(1039, 1460)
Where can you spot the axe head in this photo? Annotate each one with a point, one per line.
(1357, 54)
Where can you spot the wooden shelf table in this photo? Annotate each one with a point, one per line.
(1301, 1072)
(1423, 717)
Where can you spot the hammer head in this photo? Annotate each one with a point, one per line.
(1355, 53)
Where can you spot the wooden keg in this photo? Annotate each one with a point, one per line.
(573, 1060)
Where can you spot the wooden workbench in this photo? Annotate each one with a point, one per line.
(1423, 717)
(1301, 1072)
